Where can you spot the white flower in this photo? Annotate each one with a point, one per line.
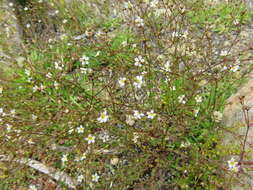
(1, 111)
(122, 81)
(64, 158)
(196, 112)
(81, 158)
(58, 66)
(114, 161)
(32, 187)
(173, 88)
(56, 85)
(26, 9)
(139, 21)
(154, 3)
(71, 131)
(138, 61)
(103, 117)
(217, 116)
(11, 4)
(130, 120)
(198, 99)
(233, 165)
(175, 34)
(137, 114)
(34, 117)
(35, 88)
(27, 72)
(64, 21)
(1, 89)
(181, 99)
(95, 177)
(28, 25)
(167, 66)
(49, 75)
(151, 114)
(185, 144)
(104, 136)
(235, 68)
(138, 81)
(84, 60)
(224, 53)
(80, 129)
(85, 70)
(90, 139)
(80, 178)
(135, 138)
(13, 112)
(9, 127)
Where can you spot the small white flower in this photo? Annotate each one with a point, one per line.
(58, 66)
(135, 138)
(185, 144)
(114, 161)
(139, 21)
(104, 136)
(235, 68)
(138, 115)
(71, 131)
(80, 178)
(154, 3)
(167, 66)
(196, 112)
(34, 117)
(32, 187)
(151, 114)
(13, 112)
(138, 61)
(27, 72)
(98, 53)
(103, 117)
(11, 4)
(173, 88)
(122, 81)
(84, 60)
(26, 9)
(64, 158)
(224, 53)
(1, 111)
(1, 90)
(130, 120)
(8, 127)
(81, 158)
(233, 165)
(28, 25)
(35, 88)
(64, 21)
(95, 177)
(56, 85)
(198, 99)
(124, 43)
(138, 81)
(175, 34)
(217, 116)
(181, 99)
(56, 12)
(49, 75)
(90, 139)
(80, 129)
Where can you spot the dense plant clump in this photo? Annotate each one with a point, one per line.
(128, 96)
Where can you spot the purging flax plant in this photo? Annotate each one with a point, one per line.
(127, 96)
